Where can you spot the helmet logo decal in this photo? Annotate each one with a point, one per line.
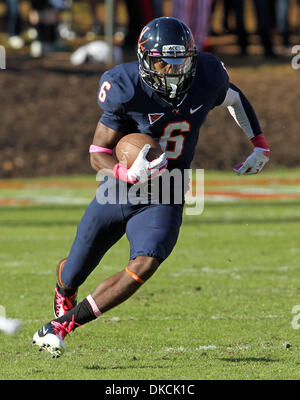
(140, 44)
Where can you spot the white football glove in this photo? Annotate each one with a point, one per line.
(142, 169)
(254, 163)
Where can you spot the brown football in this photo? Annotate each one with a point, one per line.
(129, 146)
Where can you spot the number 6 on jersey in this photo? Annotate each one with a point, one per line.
(178, 141)
(105, 87)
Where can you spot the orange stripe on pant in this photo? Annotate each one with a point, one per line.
(59, 271)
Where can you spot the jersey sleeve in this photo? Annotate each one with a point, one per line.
(212, 78)
(111, 98)
(222, 82)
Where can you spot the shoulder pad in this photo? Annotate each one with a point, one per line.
(116, 87)
(212, 69)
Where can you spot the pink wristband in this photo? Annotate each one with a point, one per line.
(120, 172)
(260, 141)
(98, 149)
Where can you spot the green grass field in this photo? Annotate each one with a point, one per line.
(220, 307)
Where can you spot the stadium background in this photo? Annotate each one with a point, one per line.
(49, 107)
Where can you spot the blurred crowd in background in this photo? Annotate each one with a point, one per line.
(48, 26)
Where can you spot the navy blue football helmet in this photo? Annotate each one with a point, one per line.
(171, 41)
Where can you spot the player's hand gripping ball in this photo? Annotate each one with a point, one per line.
(142, 156)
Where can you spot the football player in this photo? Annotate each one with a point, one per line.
(166, 94)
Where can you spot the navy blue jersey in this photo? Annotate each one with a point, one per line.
(131, 106)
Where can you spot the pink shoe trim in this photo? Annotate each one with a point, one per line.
(63, 329)
(63, 301)
(94, 306)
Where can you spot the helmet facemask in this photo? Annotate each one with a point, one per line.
(177, 80)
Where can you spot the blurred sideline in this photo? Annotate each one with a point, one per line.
(108, 23)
